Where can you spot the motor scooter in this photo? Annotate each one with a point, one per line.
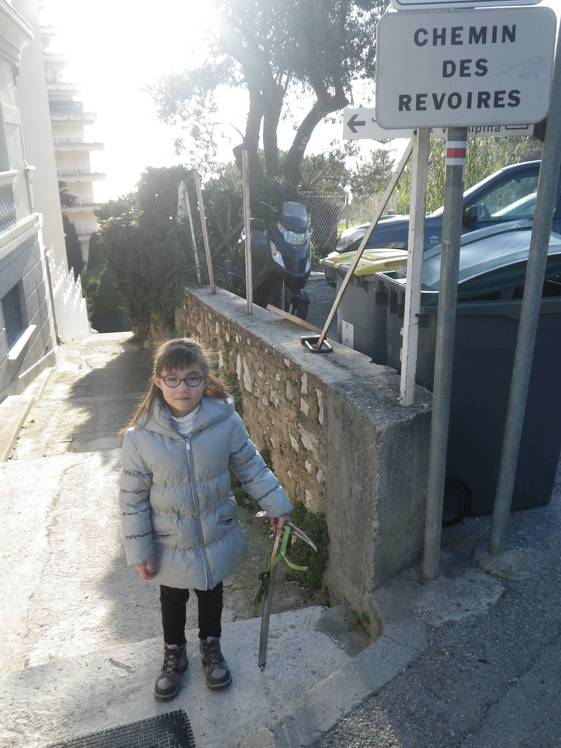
(281, 258)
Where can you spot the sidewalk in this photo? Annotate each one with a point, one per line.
(81, 644)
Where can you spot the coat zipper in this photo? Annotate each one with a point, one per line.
(197, 509)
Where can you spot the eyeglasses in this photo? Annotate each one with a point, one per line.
(193, 380)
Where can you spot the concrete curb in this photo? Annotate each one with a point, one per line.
(334, 696)
(15, 409)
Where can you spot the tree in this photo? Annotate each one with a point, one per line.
(276, 51)
(95, 256)
(484, 156)
(73, 248)
(67, 200)
(372, 176)
(146, 251)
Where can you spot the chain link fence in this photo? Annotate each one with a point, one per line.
(332, 214)
(326, 213)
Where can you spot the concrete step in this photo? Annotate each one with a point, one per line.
(317, 668)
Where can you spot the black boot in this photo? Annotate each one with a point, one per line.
(175, 664)
(217, 672)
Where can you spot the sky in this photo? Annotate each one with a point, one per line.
(116, 48)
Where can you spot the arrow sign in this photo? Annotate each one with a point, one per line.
(354, 123)
(361, 123)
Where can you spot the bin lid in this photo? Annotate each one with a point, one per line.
(491, 259)
(372, 261)
(496, 255)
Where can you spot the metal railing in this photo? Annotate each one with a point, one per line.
(8, 217)
(91, 145)
(65, 173)
(82, 204)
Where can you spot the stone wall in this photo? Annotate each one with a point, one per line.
(283, 406)
(340, 441)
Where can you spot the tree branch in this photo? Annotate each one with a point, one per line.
(320, 109)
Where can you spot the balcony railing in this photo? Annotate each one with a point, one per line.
(75, 144)
(79, 174)
(62, 87)
(84, 232)
(86, 118)
(66, 107)
(8, 216)
(80, 205)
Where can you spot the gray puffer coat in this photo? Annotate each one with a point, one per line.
(176, 499)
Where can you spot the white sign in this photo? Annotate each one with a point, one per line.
(420, 5)
(347, 334)
(484, 67)
(360, 122)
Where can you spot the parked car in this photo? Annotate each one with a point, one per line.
(505, 195)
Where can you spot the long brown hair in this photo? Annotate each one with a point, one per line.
(175, 355)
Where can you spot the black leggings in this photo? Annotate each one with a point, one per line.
(174, 601)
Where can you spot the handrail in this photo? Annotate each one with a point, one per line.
(7, 177)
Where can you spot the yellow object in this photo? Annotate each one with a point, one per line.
(372, 260)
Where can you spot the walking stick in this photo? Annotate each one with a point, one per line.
(268, 576)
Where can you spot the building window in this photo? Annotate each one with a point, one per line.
(13, 315)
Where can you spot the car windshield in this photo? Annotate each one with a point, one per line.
(498, 193)
(522, 208)
(350, 235)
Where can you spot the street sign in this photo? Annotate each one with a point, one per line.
(441, 4)
(462, 68)
(360, 123)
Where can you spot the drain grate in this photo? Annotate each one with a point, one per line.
(171, 730)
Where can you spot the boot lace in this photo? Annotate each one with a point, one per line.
(172, 658)
(214, 655)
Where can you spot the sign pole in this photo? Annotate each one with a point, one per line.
(193, 239)
(530, 311)
(415, 245)
(247, 224)
(444, 355)
(199, 189)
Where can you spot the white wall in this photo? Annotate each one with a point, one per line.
(37, 133)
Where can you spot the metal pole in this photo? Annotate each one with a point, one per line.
(444, 353)
(205, 232)
(193, 239)
(377, 214)
(247, 223)
(530, 311)
(415, 245)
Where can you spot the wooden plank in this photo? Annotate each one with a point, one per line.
(293, 318)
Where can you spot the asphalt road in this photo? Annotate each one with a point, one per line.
(488, 682)
(321, 298)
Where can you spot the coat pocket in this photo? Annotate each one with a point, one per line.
(227, 513)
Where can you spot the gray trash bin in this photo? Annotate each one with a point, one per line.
(361, 316)
(492, 270)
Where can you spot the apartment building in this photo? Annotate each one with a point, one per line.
(73, 147)
(27, 339)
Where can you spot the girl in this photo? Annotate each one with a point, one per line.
(180, 519)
